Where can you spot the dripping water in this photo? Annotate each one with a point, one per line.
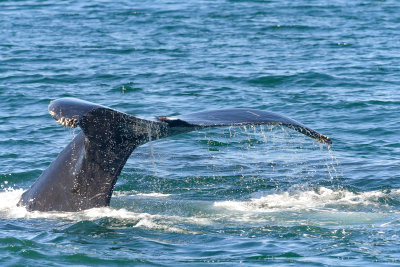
(153, 158)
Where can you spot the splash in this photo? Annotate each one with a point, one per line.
(11, 196)
(318, 199)
(322, 207)
(274, 153)
(8, 205)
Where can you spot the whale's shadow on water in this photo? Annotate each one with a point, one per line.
(84, 174)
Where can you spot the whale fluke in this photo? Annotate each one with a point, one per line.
(85, 172)
(238, 117)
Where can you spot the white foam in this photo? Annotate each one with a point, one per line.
(8, 205)
(320, 206)
(306, 200)
(9, 209)
(134, 193)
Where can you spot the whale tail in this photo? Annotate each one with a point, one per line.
(85, 172)
(96, 121)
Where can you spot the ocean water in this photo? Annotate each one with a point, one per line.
(253, 196)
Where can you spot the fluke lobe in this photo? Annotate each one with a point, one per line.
(85, 172)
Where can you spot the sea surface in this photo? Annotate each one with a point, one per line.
(249, 196)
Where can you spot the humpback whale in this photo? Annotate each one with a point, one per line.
(84, 173)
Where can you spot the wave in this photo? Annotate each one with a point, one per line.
(294, 78)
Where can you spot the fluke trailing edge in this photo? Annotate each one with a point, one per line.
(85, 172)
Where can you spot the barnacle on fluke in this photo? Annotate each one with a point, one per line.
(68, 122)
